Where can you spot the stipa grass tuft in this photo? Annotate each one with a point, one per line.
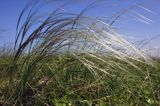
(71, 59)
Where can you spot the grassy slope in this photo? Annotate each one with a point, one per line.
(64, 80)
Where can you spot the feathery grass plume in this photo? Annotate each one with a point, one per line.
(90, 42)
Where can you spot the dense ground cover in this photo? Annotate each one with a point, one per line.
(63, 80)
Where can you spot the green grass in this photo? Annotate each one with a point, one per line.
(70, 82)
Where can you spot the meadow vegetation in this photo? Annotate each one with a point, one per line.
(66, 59)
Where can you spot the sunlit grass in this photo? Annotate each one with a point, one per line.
(71, 59)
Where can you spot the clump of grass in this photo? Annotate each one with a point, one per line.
(71, 59)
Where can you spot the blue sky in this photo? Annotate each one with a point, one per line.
(131, 28)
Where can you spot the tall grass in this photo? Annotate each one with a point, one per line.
(66, 58)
